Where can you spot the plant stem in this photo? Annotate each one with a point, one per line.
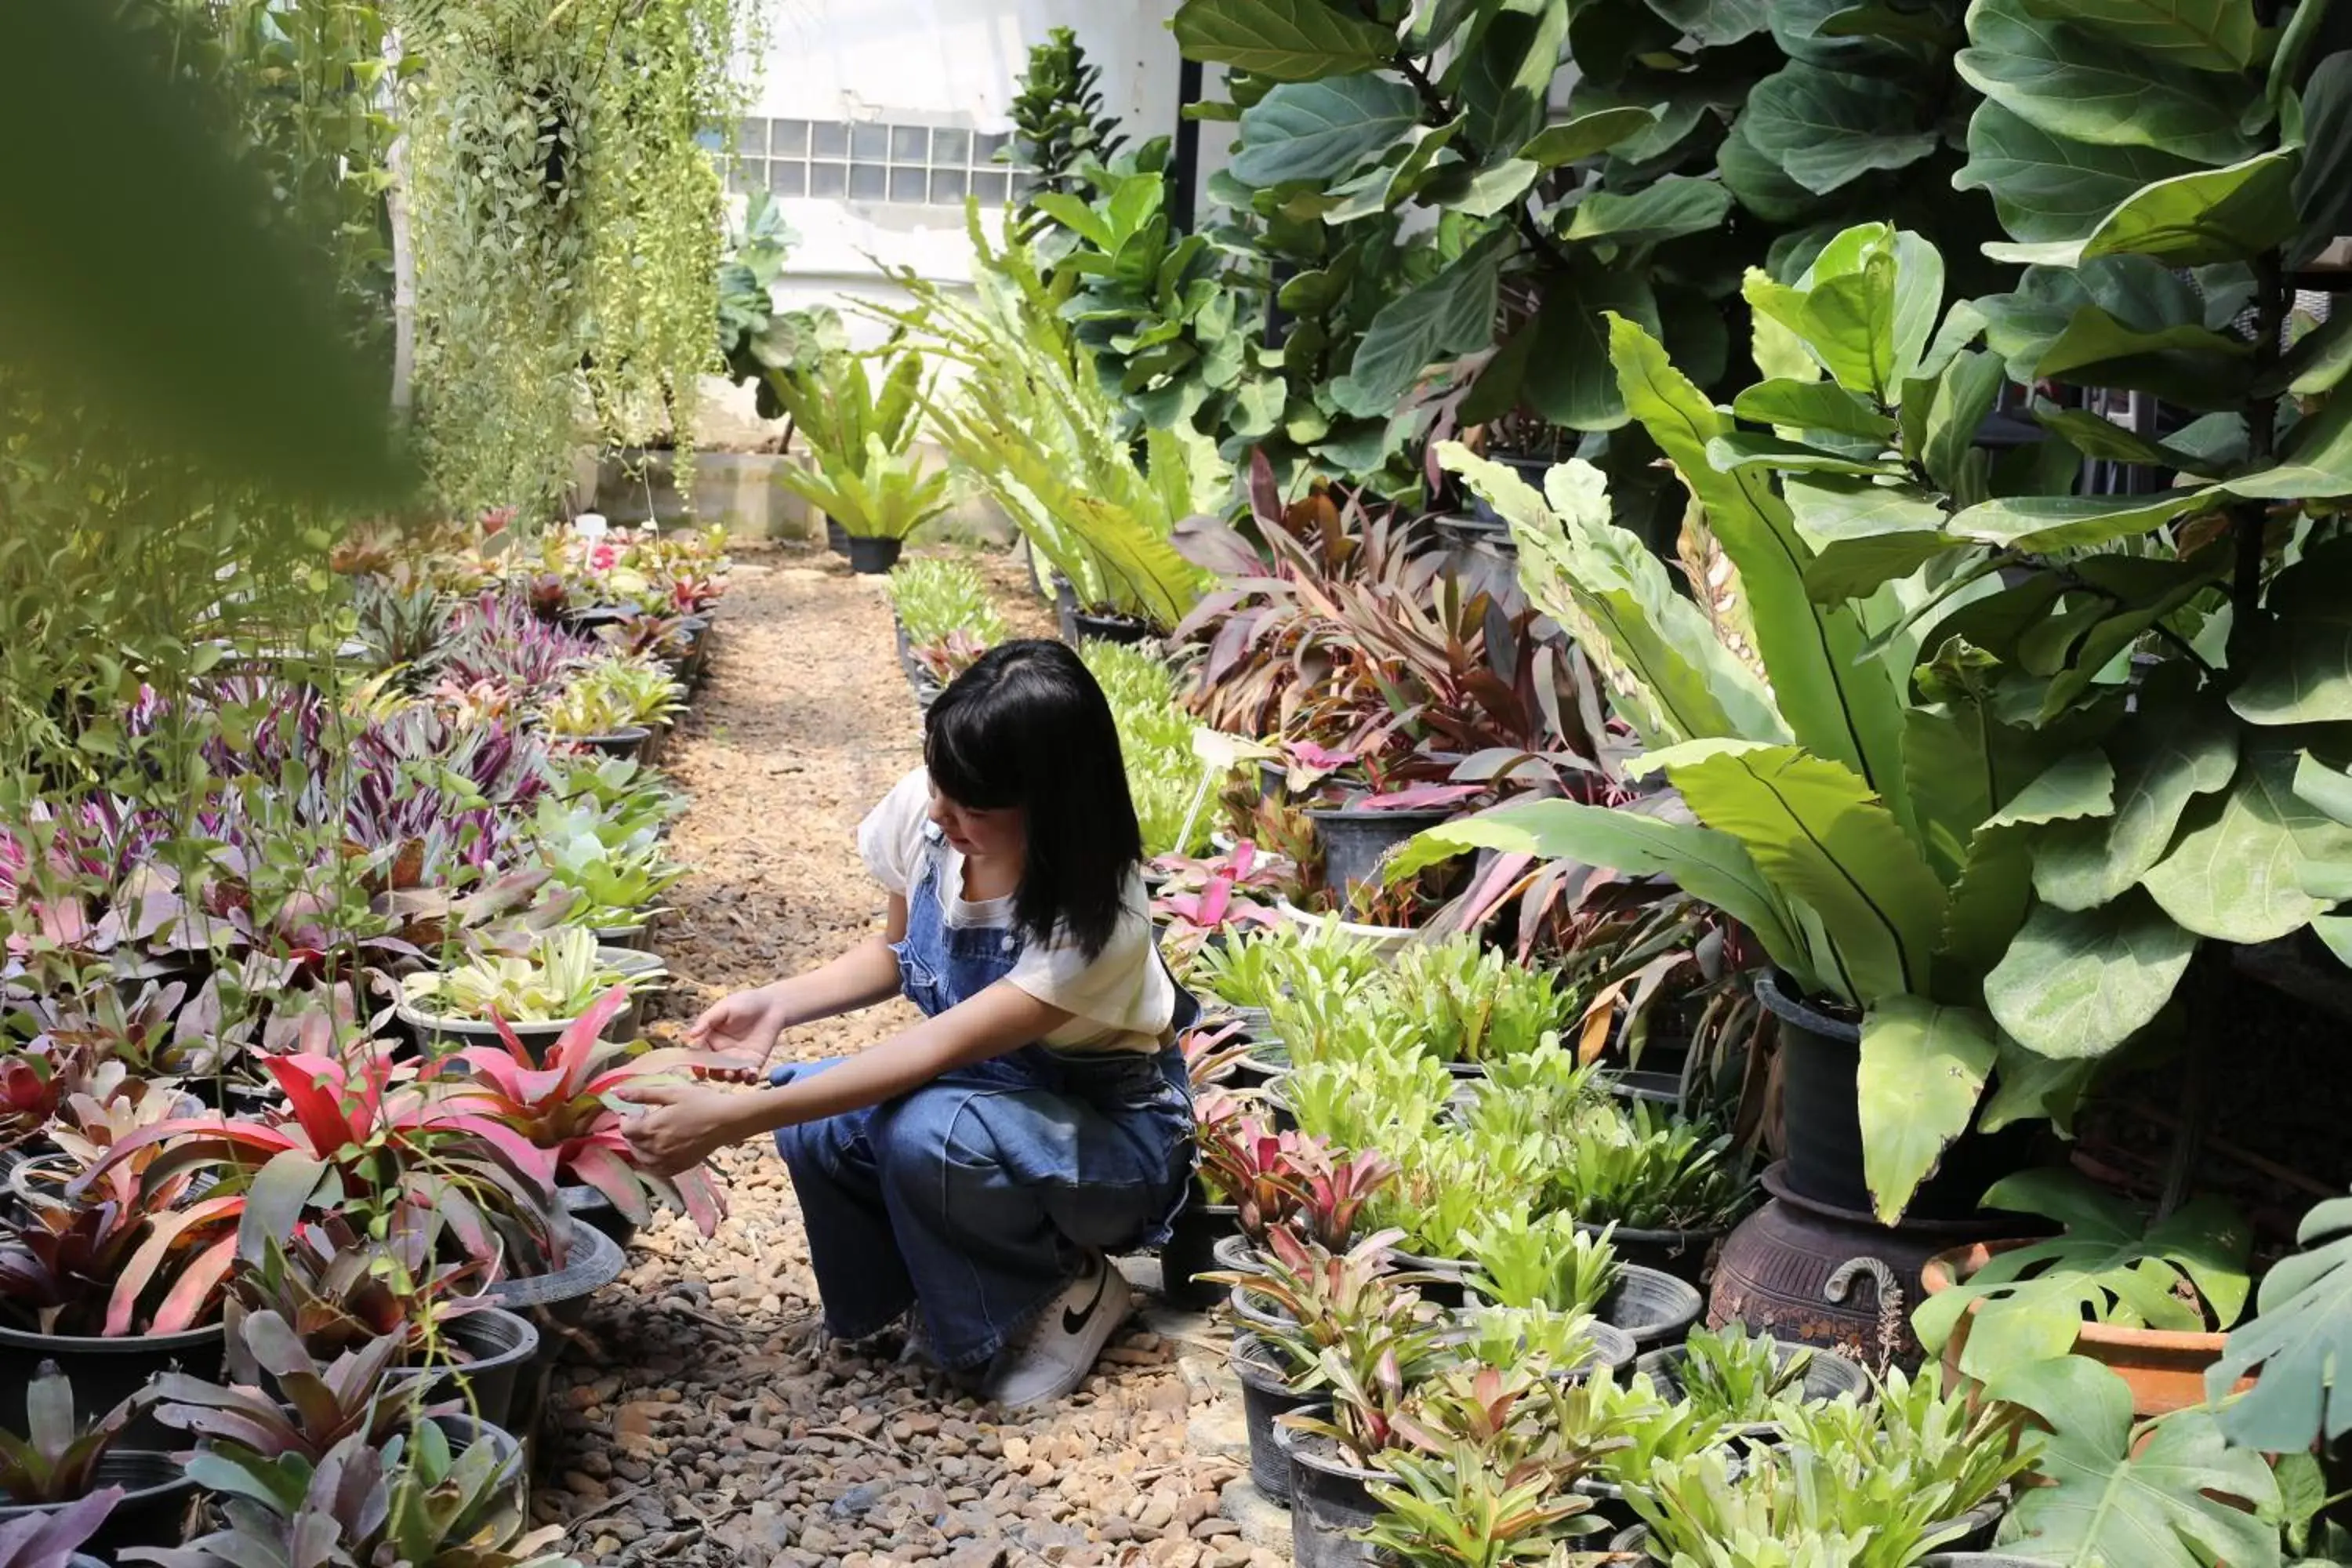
(2209, 978)
(2262, 443)
(1433, 105)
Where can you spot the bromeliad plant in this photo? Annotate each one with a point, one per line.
(1545, 1261)
(557, 977)
(340, 1289)
(935, 598)
(610, 695)
(1635, 1166)
(1172, 781)
(55, 1458)
(1474, 1003)
(273, 1440)
(567, 1107)
(617, 877)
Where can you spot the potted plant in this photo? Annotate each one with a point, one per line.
(1746, 1382)
(612, 705)
(617, 875)
(865, 474)
(944, 620)
(563, 1105)
(1665, 1190)
(1549, 1261)
(1476, 1005)
(62, 1459)
(536, 994)
(51, 1538)
(1362, 807)
(2151, 1300)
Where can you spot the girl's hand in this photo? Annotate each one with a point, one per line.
(681, 1126)
(742, 1025)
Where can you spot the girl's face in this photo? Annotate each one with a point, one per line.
(1000, 835)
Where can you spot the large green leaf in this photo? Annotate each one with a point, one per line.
(1321, 130)
(1674, 206)
(2118, 321)
(1828, 128)
(1451, 313)
(1865, 308)
(1714, 23)
(2235, 872)
(1820, 833)
(1837, 703)
(2039, 525)
(2202, 35)
(1863, 533)
(2299, 1342)
(222, 346)
(1961, 765)
(2299, 669)
(2185, 1272)
(2076, 85)
(2163, 765)
(1569, 380)
(1585, 135)
(2079, 983)
(1743, 447)
(1504, 81)
(2201, 218)
(2316, 461)
(1674, 679)
(2323, 183)
(2109, 1502)
(2050, 188)
(2029, 1087)
(1923, 1068)
(1282, 40)
(1710, 866)
(1813, 405)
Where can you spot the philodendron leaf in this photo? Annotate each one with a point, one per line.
(2071, 83)
(2163, 766)
(1322, 130)
(2185, 1500)
(2299, 1342)
(2235, 872)
(2200, 218)
(1816, 830)
(2079, 984)
(1282, 40)
(1923, 1068)
(2029, 1300)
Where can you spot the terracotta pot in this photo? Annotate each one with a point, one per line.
(2166, 1367)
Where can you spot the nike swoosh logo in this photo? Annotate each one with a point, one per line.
(1073, 1322)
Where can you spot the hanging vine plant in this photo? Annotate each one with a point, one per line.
(564, 219)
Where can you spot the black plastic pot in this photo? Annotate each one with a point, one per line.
(106, 1371)
(1265, 1060)
(1821, 1119)
(837, 538)
(637, 938)
(1234, 1253)
(1266, 1394)
(1827, 1375)
(1447, 1289)
(1259, 1316)
(1329, 1501)
(157, 1491)
(493, 1351)
(593, 1261)
(871, 557)
(1655, 1306)
(594, 1208)
(1108, 628)
(1680, 1253)
(1355, 840)
(1189, 1249)
(628, 742)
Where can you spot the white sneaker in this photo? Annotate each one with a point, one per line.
(1055, 1353)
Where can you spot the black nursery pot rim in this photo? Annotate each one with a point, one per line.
(1317, 1452)
(1427, 814)
(1781, 998)
(145, 1475)
(591, 1262)
(143, 1344)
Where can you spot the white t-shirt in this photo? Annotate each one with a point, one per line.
(1123, 1001)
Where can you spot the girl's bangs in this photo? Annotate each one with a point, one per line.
(964, 764)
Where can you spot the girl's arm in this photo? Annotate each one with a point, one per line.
(683, 1124)
(753, 1019)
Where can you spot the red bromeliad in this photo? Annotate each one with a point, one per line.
(566, 1109)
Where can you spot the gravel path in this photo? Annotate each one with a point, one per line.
(704, 1420)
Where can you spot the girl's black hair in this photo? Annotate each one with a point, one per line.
(1026, 726)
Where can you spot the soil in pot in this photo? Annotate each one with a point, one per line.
(587, 1205)
(1191, 1249)
(1355, 840)
(1266, 1394)
(1656, 1308)
(106, 1371)
(486, 1354)
(1329, 1501)
(872, 557)
(2165, 1367)
(156, 1492)
(1680, 1253)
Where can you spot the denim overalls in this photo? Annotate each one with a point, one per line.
(977, 1195)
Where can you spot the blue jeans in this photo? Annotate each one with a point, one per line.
(978, 1195)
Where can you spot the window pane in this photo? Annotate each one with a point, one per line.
(751, 138)
(787, 177)
(910, 143)
(907, 184)
(869, 141)
(948, 186)
(829, 139)
(828, 180)
(951, 148)
(983, 147)
(788, 138)
(868, 182)
(988, 185)
(741, 173)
